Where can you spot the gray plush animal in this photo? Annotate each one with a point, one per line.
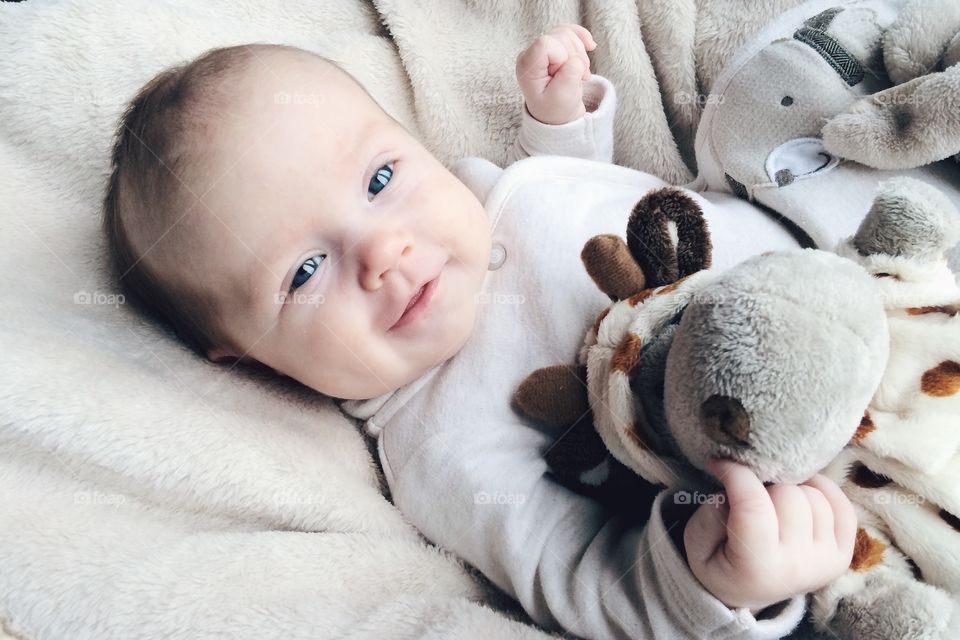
(799, 123)
(791, 363)
(917, 121)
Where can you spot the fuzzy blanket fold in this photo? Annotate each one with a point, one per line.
(145, 493)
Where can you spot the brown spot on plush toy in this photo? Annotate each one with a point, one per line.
(949, 309)
(662, 291)
(941, 381)
(638, 298)
(626, 357)
(867, 551)
(596, 323)
(866, 426)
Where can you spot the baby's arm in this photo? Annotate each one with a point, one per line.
(567, 111)
(483, 493)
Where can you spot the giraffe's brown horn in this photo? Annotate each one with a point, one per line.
(650, 243)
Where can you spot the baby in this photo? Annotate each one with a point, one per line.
(316, 237)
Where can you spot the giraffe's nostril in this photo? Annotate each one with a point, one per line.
(725, 420)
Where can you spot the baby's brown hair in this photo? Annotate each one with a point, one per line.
(159, 139)
(155, 143)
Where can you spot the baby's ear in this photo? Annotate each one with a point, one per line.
(219, 355)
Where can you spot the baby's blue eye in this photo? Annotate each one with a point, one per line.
(379, 180)
(307, 269)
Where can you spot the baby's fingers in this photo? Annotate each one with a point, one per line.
(576, 46)
(583, 35)
(545, 54)
(752, 520)
(821, 516)
(566, 81)
(705, 533)
(793, 513)
(844, 515)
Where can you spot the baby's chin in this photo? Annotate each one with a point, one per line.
(448, 346)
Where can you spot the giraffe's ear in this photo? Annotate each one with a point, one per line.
(612, 268)
(578, 459)
(556, 396)
(667, 236)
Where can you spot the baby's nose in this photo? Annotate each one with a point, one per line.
(380, 252)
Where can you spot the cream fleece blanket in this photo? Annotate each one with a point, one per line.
(145, 493)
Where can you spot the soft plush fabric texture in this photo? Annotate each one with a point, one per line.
(138, 480)
(918, 120)
(760, 131)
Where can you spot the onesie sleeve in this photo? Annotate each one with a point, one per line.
(589, 137)
(484, 494)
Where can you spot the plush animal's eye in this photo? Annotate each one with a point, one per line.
(787, 101)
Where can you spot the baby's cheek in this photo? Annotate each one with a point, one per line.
(342, 340)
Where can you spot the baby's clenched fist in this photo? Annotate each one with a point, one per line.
(551, 72)
(769, 543)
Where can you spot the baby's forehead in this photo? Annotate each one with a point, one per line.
(299, 71)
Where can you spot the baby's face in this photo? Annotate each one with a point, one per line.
(331, 218)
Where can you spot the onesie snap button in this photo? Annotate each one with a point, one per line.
(498, 255)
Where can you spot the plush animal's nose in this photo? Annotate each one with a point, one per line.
(726, 421)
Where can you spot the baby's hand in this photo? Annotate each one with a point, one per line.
(766, 544)
(550, 73)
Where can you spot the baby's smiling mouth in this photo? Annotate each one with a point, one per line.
(417, 304)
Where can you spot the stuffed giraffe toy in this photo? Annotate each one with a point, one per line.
(792, 363)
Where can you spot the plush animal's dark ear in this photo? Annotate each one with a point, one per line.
(612, 268)
(848, 39)
(667, 236)
(556, 396)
